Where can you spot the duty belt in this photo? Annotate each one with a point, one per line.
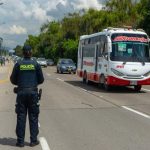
(28, 89)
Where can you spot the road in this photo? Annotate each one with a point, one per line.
(75, 116)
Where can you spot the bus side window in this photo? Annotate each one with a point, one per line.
(101, 45)
(105, 50)
(99, 50)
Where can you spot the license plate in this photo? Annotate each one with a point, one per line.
(69, 69)
(133, 82)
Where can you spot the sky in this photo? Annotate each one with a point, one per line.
(19, 18)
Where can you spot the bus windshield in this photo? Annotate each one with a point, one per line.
(130, 48)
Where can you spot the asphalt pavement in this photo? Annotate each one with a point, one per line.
(75, 116)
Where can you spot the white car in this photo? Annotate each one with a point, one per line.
(42, 62)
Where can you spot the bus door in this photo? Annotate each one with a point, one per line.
(103, 66)
(96, 57)
(80, 56)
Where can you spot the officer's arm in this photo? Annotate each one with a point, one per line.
(14, 75)
(40, 76)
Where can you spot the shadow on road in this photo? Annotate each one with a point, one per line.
(94, 87)
(10, 142)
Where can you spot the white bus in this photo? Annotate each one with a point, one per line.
(115, 57)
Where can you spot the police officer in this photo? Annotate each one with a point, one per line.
(27, 75)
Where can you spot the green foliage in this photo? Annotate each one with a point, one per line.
(70, 49)
(144, 11)
(33, 41)
(60, 38)
(18, 50)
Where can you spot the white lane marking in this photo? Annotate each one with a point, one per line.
(137, 112)
(48, 74)
(44, 143)
(83, 89)
(60, 79)
(146, 90)
(39, 125)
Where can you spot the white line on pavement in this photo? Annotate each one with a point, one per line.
(44, 143)
(83, 89)
(146, 90)
(60, 79)
(39, 125)
(137, 112)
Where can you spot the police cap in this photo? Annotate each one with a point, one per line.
(27, 48)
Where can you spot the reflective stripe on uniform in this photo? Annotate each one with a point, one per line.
(27, 67)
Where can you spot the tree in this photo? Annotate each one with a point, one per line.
(144, 11)
(18, 50)
(60, 38)
(33, 41)
(125, 11)
(71, 49)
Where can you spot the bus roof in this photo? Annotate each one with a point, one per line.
(110, 31)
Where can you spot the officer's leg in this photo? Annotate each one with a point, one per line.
(33, 113)
(21, 111)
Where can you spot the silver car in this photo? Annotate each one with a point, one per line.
(42, 62)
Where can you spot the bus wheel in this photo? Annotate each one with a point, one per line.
(106, 86)
(137, 88)
(101, 82)
(84, 77)
(87, 81)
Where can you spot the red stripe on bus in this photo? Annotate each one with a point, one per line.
(121, 82)
(87, 63)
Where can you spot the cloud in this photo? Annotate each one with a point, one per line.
(38, 13)
(63, 7)
(24, 17)
(11, 40)
(35, 12)
(18, 30)
(86, 4)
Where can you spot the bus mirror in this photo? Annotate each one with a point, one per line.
(108, 39)
(106, 56)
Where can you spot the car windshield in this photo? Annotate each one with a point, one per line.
(41, 59)
(34, 58)
(130, 48)
(67, 61)
(50, 60)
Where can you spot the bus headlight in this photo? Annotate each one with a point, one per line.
(117, 72)
(147, 74)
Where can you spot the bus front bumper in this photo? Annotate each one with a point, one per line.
(121, 82)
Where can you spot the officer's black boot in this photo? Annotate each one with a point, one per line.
(19, 144)
(32, 144)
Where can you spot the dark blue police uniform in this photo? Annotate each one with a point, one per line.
(27, 74)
